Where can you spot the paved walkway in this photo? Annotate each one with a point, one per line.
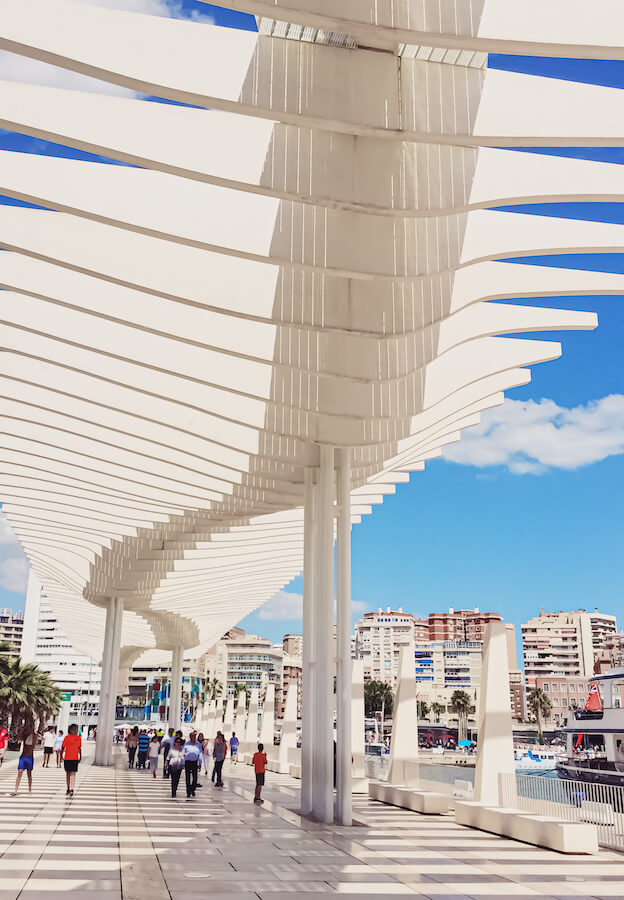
(122, 836)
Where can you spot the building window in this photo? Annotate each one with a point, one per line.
(564, 701)
(572, 688)
(545, 688)
(563, 688)
(555, 688)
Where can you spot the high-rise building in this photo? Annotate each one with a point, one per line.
(292, 671)
(250, 660)
(12, 628)
(293, 645)
(379, 637)
(441, 666)
(44, 643)
(460, 624)
(564, 643)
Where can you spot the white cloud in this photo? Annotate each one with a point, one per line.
(14, 574)
(14, 67)
(529, 437)
(283, 605)
(289, 606)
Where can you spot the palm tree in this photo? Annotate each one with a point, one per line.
(423, 709)
(238, 687)
(378, 694)
(28, 696)
(437, 709)
(215, 689)
(462, 704)
(540, 705)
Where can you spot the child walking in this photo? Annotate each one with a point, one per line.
(154, 750)
(259, 764)
(72, 754)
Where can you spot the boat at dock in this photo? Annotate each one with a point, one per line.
(595, 735)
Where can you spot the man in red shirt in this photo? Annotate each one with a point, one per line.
(259, 764)
(72, 754)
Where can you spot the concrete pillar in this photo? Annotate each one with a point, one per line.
(251, 729)
(404, 747)
(289, 728)
(359, 784)
(175, 690)
(268, 720)
(228, 719)
(308, 673)
(108, 691)
(495, 753)
(323, 734)
(344, 806)
(239, 722)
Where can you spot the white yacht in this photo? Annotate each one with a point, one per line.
(595, 735)
(535, 759)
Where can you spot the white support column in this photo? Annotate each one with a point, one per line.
(110, 670)
(495, 751)
(323, 735)
(344, 806)
(308, 674)
(175, 690)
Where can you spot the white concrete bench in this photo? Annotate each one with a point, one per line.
(294, 770)
(543, 831)
(427, 802)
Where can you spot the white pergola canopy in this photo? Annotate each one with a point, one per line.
(307, 259)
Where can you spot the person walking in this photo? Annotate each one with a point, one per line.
(27, 758)
(58, 746)
(143, 745)
(49, 741)
(219, 753)
(132, 742)
(175, 764)
(167, 746)
(192, 757)
(4, 740)
(72, 755)
(153, 753)
(259, 764)
(234, 748)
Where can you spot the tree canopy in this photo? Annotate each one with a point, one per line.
(28, 696)
(377, 695)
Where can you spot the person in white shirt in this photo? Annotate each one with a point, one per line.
(49, 741)
(153, 751)
(192, 759)
(175, 761)
(58, 746)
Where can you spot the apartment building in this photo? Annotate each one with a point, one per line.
(292, 644)
(460, 624)
(12, 628)
(564, 644)
(251, 660)
(292, 671)
(379, 637)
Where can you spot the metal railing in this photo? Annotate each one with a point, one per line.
(456, 781)
(576, 801)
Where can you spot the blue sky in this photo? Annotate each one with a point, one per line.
(543, 526)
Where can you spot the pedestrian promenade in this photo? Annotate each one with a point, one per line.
(122, 836)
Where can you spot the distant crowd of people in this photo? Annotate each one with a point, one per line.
(145, 747)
